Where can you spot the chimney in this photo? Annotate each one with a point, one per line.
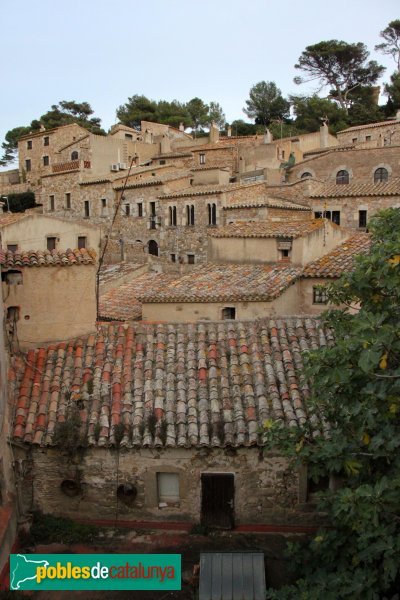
(398, 115)
(214, 133)
(229, 131)
(181, 127)
(324, 136)
(268, 137)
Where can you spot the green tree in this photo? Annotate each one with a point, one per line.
(240, 127)
(341, 66)
(392, 90)
(391, 45)
(138, 108)
(356, 402)
(266, 103)
(216, 114)
(310, 111)
(10, 145)
(198, 112)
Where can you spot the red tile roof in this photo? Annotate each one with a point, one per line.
(223, 283)
(46, 258)
(268, 229)
(211, 384)
(365, 188)
(370, 126)
(341, 259)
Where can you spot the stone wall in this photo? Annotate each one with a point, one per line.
(350, 208)
(360, 163)
(378, 136)
(265, 490)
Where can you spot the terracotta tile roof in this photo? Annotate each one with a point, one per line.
(212, 384)
(224, 283)
(211, 167)
(267, 202)
(122, 304)
(10, 218)
(268, 229)
(149, 181)
(46, 258)
(172, 155)
(366, 188)
(109, 273)
(142, 170)
(341, 259)
(370, 125)
(206, 190)
(94, 181)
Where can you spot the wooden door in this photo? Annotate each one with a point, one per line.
(217, 500)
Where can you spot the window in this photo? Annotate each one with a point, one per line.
(202, 159)
(333, 215)
(162, 162)
(212, 214)
(12, 247)
(284, 254)
(46, 161)
(362, 218)
(128, 136)
(168, 489)
(68, 201)
(354, 140)
(74, 155)
(29, 145)
(28, 164)
(190, 259)
(342, 177)
(86, 208)
(319, 295)
(172, 216)
(52, 203)
(82, 241)
(190, 214)
(12, 313)
(335, 218)
(367, 138)
(380, 175)
(140, 209)
(46, 140)
(127, 210)
(103, 207)
(152, 215)
(51, 243)
(229, 312)
(173, 257)
(306, 174)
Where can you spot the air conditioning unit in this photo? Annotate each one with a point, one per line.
(114, 167)
(122, 166)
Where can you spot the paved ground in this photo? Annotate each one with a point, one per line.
(189, 546)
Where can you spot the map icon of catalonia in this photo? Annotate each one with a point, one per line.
(24, 570)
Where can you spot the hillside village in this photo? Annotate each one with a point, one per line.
(162, 291)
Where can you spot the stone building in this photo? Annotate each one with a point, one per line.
(27, 230)
(384, 133)
(326, 269)
(48, 296)
(294, 242)
(168, 413)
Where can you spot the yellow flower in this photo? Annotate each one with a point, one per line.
(393, 408)
(393, 262)
(268, 423)
(366, 439)
(383, 361)
(318, 539)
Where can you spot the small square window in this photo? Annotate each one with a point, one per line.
(82, 241)
(320, 295)
(12, 247)
(367, 138)
(28, 164)
(129, 136)
(162, 162)
(362, 218)
(127, 210)
(46, 140)
(51, 243)
(354, 140)
(190, 258)
(229, 312)
(173, 257)
(168, 489)
(46, 161)
(29, 145)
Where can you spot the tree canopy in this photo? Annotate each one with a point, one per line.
(266, 103)
(341, 66)
(356, 390)
(391, 45)
(310, 111)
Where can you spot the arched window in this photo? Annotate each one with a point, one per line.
(306, 174)
(381, 174)
(342, 177)
(74, 155)
(153, 248)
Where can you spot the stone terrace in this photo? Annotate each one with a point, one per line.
(341, 259)
(206, 384)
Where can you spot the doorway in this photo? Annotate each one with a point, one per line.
(217, 500)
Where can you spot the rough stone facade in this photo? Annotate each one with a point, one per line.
(375, 134)
(265, 491)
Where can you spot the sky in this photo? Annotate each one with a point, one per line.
(103, 51)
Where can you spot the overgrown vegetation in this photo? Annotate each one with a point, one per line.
(356, 390)
(19, 202)
(47, 529)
